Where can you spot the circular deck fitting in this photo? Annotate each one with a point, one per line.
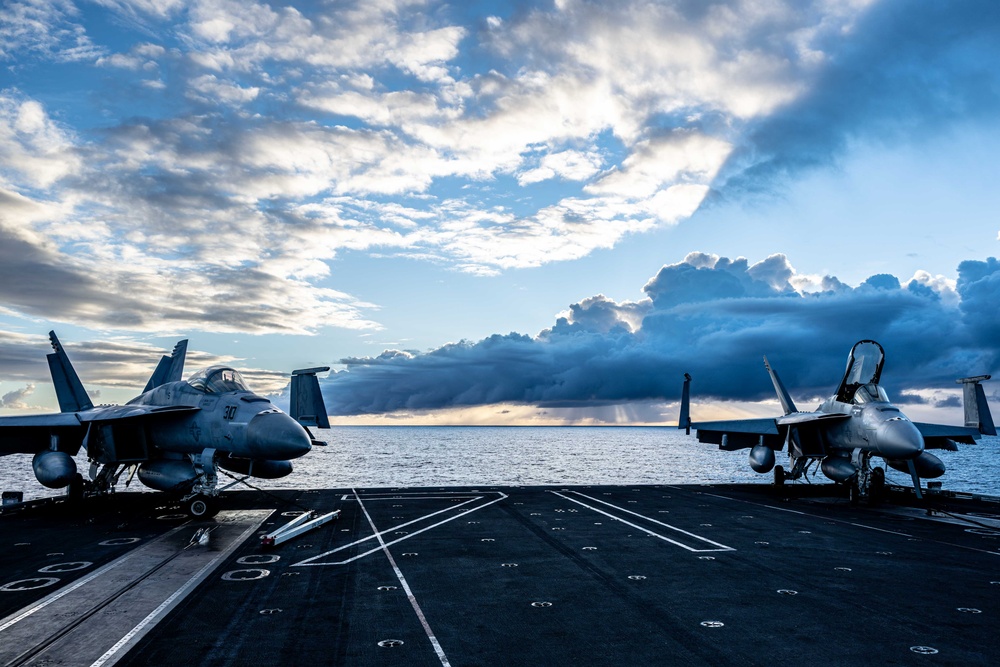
(172, 517)
(706, 525)
(290, 574)
(590, 548)
(28, 584)
(636, 577)
(401, 532)
(508, 564)
(559, 510)
(56, 553)
(472, 523)
(969, 610)
(712, 624)
(607, 494)
(518, 503)
(572, 510)
(558, 528)
(119, 541)
(410, 553)
(541, 604)
(303, 546)
(664, 512)
(268, 612)
(22, 544)
(598, 523)
(633, 501)
(762, 543)
(390, 643)
(924, 650)
(258, 559)
(805, 532)
(397, 517)
(246, 575)
(786, 591)
(66, 567)
(535, 514)
(995, 583)
(843, 569)
(884, 553)
(397, 505)
(386, 588)
(487, 539)
(706, 557)
(345, 530)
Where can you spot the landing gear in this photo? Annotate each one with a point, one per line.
(869, 483)
(200, 506)
(779, 475)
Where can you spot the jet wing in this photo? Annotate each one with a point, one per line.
(29, 434)
(806, 417)
(740, 433)
(942, 436)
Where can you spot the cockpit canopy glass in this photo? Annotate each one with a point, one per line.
(218, 380)
(870, 393)
(864, 367)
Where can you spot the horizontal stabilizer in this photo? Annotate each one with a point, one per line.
(69, 390)
(170, 368)
(307, 406)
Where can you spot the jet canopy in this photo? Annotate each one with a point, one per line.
(218, 380)
(864, 367)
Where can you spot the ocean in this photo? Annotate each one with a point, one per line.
(401, 456)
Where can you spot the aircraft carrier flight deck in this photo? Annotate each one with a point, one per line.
(574, 575)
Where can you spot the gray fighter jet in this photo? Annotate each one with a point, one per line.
(847, 430)
(175, 435)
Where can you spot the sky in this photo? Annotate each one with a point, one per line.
(505, 212)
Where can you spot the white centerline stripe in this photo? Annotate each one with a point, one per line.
(406, 588)
(722, 547)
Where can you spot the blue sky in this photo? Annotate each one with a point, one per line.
(396, 188)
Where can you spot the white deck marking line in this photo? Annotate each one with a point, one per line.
(406, 588)
(812, 516)
(722, 547)
(169, 603)
(308, 562)
(415, 496)
(858, 525)
(81, 582)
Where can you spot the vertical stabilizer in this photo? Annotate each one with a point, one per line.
(170, 368)
(786, 401)
(684, 420)
(307, 406)
(977, 410)
(69, 390)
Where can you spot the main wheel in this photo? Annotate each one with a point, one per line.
(201, 507)
(779, 475)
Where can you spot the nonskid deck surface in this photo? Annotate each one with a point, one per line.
(513, 576)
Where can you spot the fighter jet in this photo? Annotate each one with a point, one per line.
(175, 435)
(847, 430)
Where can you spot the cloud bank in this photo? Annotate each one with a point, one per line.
(711, 317)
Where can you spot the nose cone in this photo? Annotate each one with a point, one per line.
(899, 439)
(277, 437)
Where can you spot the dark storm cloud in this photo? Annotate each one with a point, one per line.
(905, 70)
(713, 319)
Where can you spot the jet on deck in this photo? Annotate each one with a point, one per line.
(847, 430)
(175, 435)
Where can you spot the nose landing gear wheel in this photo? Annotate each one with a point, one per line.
(201, 507)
